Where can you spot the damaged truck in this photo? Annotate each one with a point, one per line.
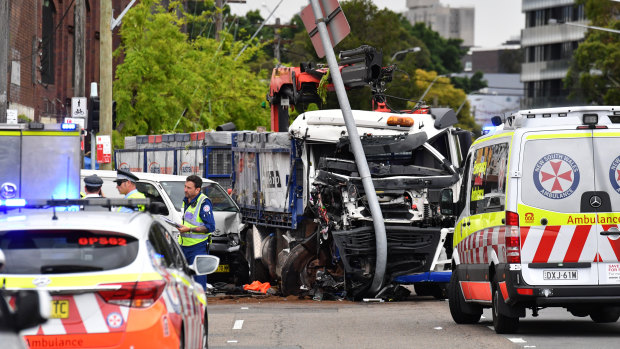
(309, 228)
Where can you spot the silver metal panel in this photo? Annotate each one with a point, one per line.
(50, 167)
(10, 168)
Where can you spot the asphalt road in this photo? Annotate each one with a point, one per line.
(420, 322)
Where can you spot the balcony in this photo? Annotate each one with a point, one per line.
(547, 70)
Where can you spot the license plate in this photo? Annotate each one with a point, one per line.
(60, 309)
(560, 274)
(223, 268)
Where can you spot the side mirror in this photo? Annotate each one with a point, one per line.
(205, 264)
(158, 208)
(446, 202)
(33, 307)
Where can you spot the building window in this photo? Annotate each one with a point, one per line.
(47, 48)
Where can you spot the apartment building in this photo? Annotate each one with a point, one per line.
(548, 43)
(449, 22)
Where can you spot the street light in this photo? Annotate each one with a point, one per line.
(553, 21)
(411, 49)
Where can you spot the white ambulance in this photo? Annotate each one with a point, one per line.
(538, 214)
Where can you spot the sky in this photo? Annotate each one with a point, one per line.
(496, 21)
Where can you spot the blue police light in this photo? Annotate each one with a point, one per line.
(13, 202)
(487, 129)
(68, 127)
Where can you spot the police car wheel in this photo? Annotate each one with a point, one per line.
(605, 314)
(462, 312)
(501, 322)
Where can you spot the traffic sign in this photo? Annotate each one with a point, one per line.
(337, 24)
(11, 116)
(79, 121)
(79, 107)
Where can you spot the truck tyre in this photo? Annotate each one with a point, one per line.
(300, 268)
(605, 314)
(461, 311)
(258, 272)
(502, 322)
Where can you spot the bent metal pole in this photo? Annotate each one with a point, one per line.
(358, 151)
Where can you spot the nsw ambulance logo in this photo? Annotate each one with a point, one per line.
(614, 174)
(556, 176)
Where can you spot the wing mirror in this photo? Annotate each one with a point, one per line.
(446, 202)
(205, 264)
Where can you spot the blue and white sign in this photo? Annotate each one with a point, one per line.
(614, 174)
(556, 176)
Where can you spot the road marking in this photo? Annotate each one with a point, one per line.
(244, 308)
(232, 341)
(529, 346)
(517, 340)
(437, 328)
(238, 324)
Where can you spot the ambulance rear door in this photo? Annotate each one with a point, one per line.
(606, 202)
(559, 238)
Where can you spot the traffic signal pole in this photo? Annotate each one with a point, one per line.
(358, 151)
(105, 69)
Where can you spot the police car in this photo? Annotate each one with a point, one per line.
(117, 280)
(538, 215)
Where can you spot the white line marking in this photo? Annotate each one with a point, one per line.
(244, 308)
(437, 328)
(529, 346)
(517, 340)
(232, 341)
(238, 324)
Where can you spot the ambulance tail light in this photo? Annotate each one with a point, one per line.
(512, 240)
(141, 294)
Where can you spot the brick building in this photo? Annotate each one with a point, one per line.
(40, 56)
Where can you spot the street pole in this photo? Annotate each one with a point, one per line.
(79, 58)
(358, 151)
(4, 57)
(105, 69)
(218, 19)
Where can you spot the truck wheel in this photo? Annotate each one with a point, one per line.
(461, 311)
(605, 314)
(501, 322)
(258, 272)
(300, 269)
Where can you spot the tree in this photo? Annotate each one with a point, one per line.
(168, 83)
(469, 85)
(594, 74)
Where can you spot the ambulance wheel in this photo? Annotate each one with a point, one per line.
(461, 311)
(501, 322)
(605, 314)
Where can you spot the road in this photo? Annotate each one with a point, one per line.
(419, 322)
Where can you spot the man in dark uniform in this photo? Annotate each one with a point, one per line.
(198, 223)
(92, 186)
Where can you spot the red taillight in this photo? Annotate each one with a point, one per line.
(525, 291)
(513, 245)
(512, 218)
(141, 294)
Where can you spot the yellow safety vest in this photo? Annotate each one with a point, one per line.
(136, 195)
(191, 219)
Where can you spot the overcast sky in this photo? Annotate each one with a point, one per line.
(495, 20)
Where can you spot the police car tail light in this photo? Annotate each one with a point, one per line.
(141, 294)
(512, 240)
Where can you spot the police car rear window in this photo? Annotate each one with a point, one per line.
(65, 251)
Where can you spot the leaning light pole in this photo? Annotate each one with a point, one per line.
(358, 151)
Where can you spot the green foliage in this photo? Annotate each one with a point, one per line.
(169, 83)
(469, 85)
(445, 54)
(594, 74)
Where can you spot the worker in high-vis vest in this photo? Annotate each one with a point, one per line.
(126, 185)
(198, 223)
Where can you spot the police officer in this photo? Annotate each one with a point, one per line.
(92, 186)
(198, 223)
(126, 185)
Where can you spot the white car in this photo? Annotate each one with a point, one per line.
(168, 189)
(117, 280)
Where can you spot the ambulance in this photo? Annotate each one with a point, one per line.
(538, 212)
